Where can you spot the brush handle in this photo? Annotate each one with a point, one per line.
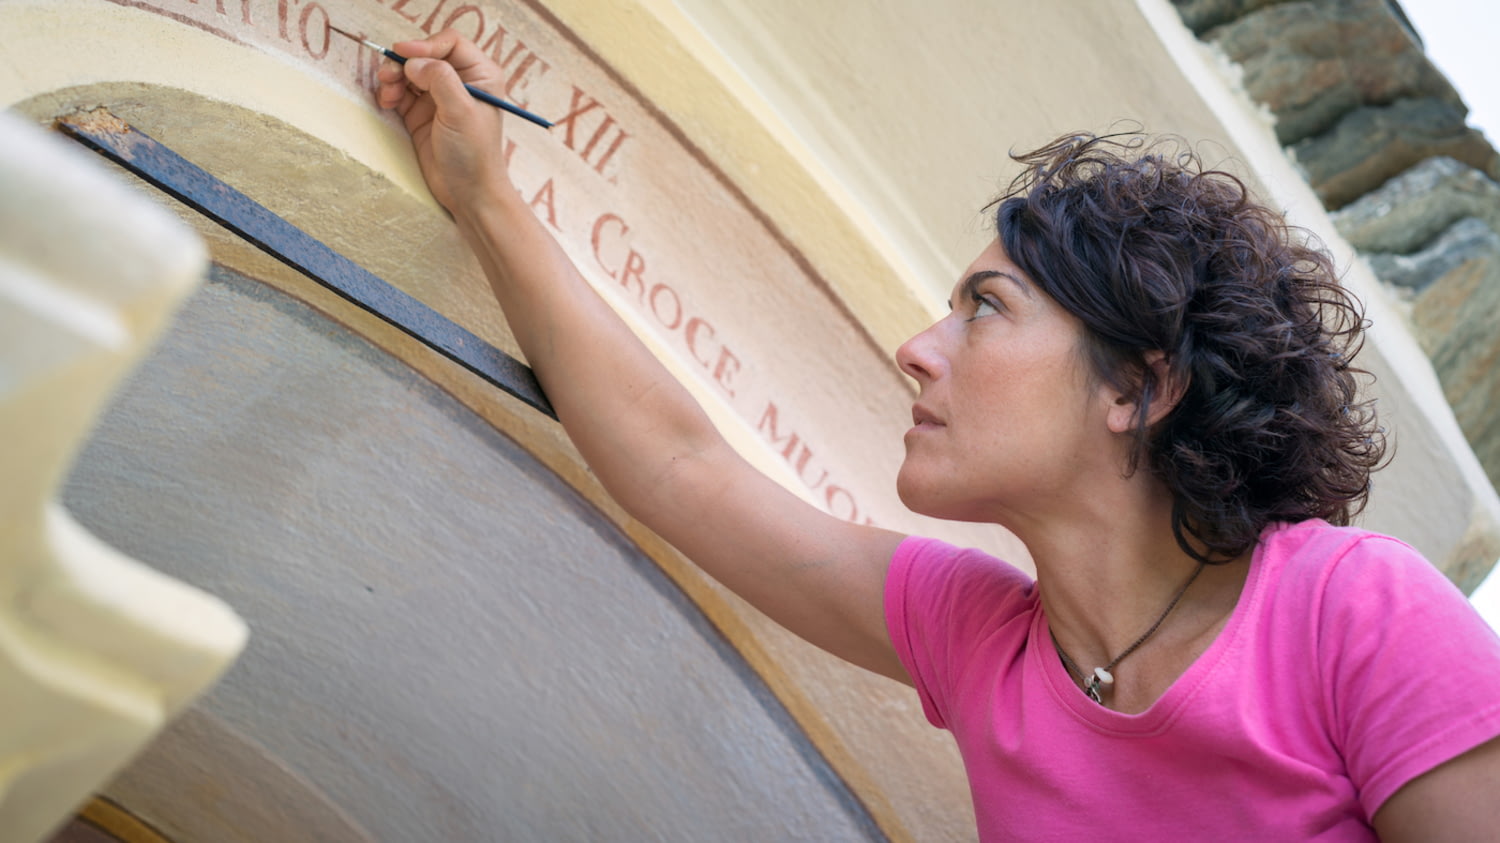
(501, 104)
(482, 96)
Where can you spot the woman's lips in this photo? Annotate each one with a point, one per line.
(923, 419)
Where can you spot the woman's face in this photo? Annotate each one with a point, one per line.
(1009, 420)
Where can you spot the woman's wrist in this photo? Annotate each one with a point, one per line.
(491, 199)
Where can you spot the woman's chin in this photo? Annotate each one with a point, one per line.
(908, 491)
(928, 499)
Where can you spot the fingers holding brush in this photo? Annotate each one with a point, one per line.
(394, 92)
(397, 89)
(457, 138)
(464, 56)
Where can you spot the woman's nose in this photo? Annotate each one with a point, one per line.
(918, 357)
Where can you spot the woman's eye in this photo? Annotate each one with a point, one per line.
(983, 306)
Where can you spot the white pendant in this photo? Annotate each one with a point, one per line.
(1105, 677)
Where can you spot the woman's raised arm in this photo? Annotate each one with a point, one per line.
(644, 436)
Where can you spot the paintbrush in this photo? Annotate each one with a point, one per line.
(474, 92)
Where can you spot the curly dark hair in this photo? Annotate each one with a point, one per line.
(1160, 257)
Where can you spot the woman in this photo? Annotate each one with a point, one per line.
(1147, 383)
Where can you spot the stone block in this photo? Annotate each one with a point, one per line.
(1372, 144)
(1203, 15)
(1455, 314)
(1311, 62)
(1467, 240)
(1406, 213)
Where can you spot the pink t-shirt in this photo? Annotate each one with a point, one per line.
(1349, 667)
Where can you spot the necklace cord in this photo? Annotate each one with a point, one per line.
(1091, 683)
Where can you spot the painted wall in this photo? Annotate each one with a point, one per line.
(438, 622)
(773, 195)
(304, 142)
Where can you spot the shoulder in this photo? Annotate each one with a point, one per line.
(947, 596)
(1318, 561)
(924, 552)
(1315, 541)
(1364, 596)
(948, 608)
(930, 570)
(1407, 673)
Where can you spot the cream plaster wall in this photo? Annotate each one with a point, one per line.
(873, 132)
(268, 132)
(863, 136)
(901, 115)
(418, 251)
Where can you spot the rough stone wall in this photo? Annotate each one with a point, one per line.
(1381, 136)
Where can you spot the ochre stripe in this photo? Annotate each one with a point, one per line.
(119, 823)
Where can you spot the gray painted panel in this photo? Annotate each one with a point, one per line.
(447, 642)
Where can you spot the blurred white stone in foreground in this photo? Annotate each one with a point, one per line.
(97, 651)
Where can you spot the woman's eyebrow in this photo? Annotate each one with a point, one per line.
(970, 284)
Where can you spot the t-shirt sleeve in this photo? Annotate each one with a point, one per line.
(943, 603)
(1411, 672)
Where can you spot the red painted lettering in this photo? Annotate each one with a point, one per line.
(610, 153)
(833, 508)
(219, 7)
(723, 371)
(574, 112)
(432, 18)
(690, 333)
(631, 275)
(369, 65)
(546, 200)
(634, 266)
(599, 133)
(524, 62)
(767, 425)
(496, 45)
(727, 364)
(583, 104)
(597, 238)
(401, 4)
(835, 497)
(322, 30)
(458, 14)
(656, 292)
(802, 469)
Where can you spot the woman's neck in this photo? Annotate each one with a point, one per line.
(1109, 570)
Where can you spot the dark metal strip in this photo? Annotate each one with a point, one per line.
(180, 178)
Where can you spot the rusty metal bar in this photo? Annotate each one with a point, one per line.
(151, 161)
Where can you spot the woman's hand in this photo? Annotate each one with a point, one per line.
(457, 139)
(645, 438)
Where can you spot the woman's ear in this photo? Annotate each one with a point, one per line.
(1154, 392)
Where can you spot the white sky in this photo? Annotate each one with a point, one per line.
(1461, 39)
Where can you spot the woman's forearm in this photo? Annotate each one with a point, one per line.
(642, 434)
(630, 419)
